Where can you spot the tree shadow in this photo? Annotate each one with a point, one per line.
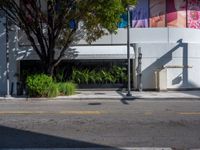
(125, 99)
(16, 138)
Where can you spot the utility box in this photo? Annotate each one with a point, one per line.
(161, 79)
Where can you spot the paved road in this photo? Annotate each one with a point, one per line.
(61, 124)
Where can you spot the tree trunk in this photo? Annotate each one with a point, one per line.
(49, 69)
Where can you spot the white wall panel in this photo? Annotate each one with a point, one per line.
(2, 57)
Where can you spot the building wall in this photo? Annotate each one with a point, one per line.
(182, 61)
(2, 57)
(160, 47)
(176, 49)
(13, 57)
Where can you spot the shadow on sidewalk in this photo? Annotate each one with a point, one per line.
(124, 98)
(192, 92)
(16, 138)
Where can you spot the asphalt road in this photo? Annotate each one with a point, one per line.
(61, 124)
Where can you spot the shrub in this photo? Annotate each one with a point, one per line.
(98, 77)
(71, 88)
(114, 75)
(67, 88)
(119, 73)
(61, 88)
(59, 77)
(41, 85)
(53, 90)
(107, 77)
(77, 76)
(93, 76)
(86, 76)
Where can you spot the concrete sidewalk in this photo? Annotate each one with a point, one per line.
(116, 95)
(112, 95)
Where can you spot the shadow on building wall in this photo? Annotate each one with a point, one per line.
(164, 60)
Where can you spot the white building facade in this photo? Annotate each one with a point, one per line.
(170, 55)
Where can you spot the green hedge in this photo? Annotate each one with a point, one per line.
(67, 88)
(114, 75)
(41, 85)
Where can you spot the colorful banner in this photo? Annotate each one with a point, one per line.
(124, 21)
(164, 13)
(140, 15)
(193, 14)
(157, 13)
(176, 13)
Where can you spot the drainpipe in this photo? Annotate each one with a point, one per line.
(140, 86)
(135, 64)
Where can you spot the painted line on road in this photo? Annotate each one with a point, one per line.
(189, 113)
(148, 113)
(21, 112)
(46, 112)
(81, 112)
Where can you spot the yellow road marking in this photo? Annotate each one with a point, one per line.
(46, 112)
(189, 113)
(148, 113)
(81, 112)
(21, 112)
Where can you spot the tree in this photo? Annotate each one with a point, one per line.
(51, 26)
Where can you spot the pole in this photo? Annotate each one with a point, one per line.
(7, 61)
(140, 68)
(128, 52)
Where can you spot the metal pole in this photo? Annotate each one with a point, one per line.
(140, 69)
(128, 52)
(7, 60)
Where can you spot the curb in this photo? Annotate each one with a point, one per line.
(102, 98)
